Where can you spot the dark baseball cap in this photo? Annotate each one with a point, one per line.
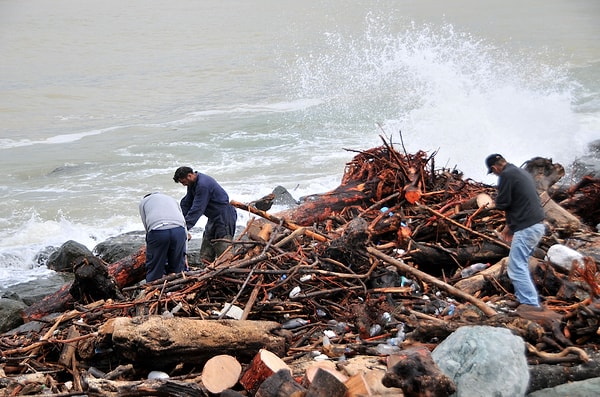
(491, 160)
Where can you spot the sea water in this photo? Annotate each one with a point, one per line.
(100, 101)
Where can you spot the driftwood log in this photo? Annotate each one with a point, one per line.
(160, 342)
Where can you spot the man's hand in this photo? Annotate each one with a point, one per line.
(189, 236)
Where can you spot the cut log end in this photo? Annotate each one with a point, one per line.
(263, 365)
(220, 373)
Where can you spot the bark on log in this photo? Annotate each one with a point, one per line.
(280, 384)
(559, 217)
(317, 208)
(126, 271)
(109, 388)
(168, 341)
(263, 365)
(326, 384)
(221, 372)
(544, 376)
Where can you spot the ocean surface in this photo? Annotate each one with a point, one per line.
(100, 101)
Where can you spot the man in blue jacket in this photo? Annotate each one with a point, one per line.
(206, 197)
(518, 197)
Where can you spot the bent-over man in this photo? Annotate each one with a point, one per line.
(206, 197)
(166, 235)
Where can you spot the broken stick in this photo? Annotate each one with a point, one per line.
(433, 280)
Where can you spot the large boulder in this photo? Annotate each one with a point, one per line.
(63, 259)
(484, 361)
(118, 247)
(10, 314)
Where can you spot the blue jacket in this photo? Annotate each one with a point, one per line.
(207, 197)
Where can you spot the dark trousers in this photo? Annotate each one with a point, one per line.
(165, 252)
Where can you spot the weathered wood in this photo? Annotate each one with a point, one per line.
(433, 257)
(167, 341)
(559, 217)
(311, 372)
(126, 271)
(263, 365)
(357, 386)
(143, 388)
(280, 384)
(93, 281)
(278, 220)
(221, 372)
(326, 384)
(481, 200)
(418, 375)
(317, 208)
(68, 352)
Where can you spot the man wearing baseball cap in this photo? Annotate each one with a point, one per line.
(518, 197)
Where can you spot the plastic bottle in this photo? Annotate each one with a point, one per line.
(295, 292)
(294, 323)
(474, 268)
(387, 349)
(375, 330)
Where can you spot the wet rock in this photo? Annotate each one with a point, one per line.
(62, 260)
(118, 247)
(10, 314)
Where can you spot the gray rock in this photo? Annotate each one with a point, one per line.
(10, 314)
(62, 260)
(118, 247)
(283, 197)
(484, 361)
(582, 388)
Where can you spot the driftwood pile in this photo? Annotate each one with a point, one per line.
(370, 268)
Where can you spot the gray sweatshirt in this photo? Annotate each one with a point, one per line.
(159, 212)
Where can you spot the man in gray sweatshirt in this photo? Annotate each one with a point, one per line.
(166, 235)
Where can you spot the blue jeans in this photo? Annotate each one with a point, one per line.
(522, 246)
